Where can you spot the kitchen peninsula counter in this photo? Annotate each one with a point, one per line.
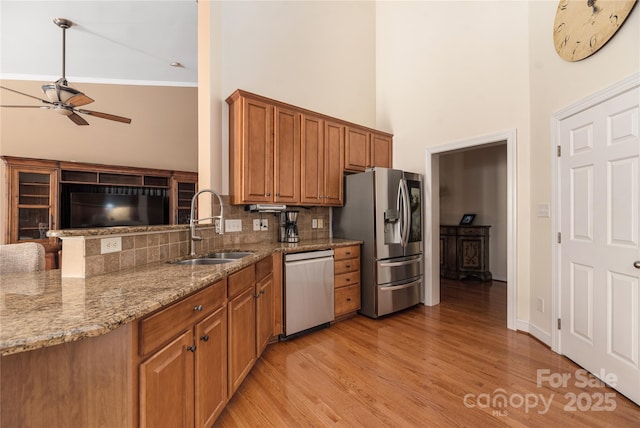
(43, 309)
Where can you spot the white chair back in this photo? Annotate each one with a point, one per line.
(17, 258)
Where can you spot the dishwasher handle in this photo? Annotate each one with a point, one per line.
(308, 255)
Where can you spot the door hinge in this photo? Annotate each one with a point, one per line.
(559, 324)
(559, 238)
(559, 151)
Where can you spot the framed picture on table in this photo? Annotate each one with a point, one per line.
(467, 219)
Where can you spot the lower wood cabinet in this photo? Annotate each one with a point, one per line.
(251, 318)
(183, 384)
(346, 281)
(242, 336)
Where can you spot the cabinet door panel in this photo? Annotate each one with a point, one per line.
(257, 148)
(356, 150)
(287, 156)
(242, 337)
(264, 313)
(334, 158)
(211, 367)
(166, 386)
(312, 160)
(380, 150)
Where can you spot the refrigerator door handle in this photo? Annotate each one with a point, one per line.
(406, 213)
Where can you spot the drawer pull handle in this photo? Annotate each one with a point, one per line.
(191, 348)
(348, 299)
(348, 279)
(261, 291)
(348, 266)
(198, 308)
(204, 338)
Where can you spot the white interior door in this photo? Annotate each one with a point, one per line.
(599, 193)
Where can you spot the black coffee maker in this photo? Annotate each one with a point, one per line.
(289, 226)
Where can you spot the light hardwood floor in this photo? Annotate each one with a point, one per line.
(441, 366)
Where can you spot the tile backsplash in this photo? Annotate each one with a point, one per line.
(140, 248)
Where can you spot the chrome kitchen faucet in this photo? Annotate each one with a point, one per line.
(193, 221)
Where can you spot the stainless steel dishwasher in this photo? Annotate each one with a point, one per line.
(308, 291)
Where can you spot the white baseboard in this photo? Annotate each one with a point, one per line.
(534, 331)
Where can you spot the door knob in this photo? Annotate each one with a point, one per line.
(636, 264)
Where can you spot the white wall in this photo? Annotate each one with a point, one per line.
(454, 70)
(313, 54)
(555, 84)
(475, 181)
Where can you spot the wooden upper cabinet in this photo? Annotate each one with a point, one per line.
(365, 149)
(322, 159)
(286, 156)
(279, 153)
(334, 158)
(257, 151)
(312, 160)
(381, 150)
(356, 153)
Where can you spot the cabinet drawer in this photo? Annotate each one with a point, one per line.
(341, 253)
(162, 326)
(240, 280)
(343, 266)
(344, 279)
(264, 267)
(473, 231)
(346, 299)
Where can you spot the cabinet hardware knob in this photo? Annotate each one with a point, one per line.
(348, 299)
(348, 266)
(348, 253)
(320, 197)
(256, 295)
(268, 194)
(204, 338)
(636, 264)
(277, 194)
(198, 308)
(191, 348)
(261, 291)
(348, 279)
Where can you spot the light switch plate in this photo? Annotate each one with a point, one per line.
(320, 223)
(543, 210)
(264, 224)
(256, 224)
(314, 223)
(110, 245)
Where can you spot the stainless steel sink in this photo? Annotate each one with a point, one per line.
(229, 255)
(215, 258)
(204, 261)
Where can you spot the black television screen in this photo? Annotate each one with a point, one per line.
(104, 210)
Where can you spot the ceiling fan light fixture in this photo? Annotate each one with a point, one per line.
(59, 93)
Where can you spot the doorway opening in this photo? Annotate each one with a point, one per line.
(433, 221)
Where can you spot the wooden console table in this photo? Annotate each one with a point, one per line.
(464, 252)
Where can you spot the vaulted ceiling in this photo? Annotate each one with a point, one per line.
(124, 42)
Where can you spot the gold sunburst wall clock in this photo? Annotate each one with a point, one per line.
(582, 27)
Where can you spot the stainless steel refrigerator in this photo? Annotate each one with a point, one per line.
(383, 208)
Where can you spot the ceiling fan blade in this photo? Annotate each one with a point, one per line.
(105, 115)
(44, 107)
(77, 119)
(26, 95)
(79, 100)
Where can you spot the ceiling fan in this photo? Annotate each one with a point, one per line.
(62, 98)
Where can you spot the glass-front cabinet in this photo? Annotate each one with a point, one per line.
(183, 186)
(33, 207)
(36, 192)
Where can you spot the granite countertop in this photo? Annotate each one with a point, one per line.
(43, 309)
